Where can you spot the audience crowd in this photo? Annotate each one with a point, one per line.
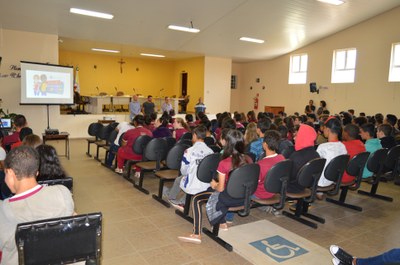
(262, 138)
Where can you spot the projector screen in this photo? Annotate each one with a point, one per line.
(46, 84)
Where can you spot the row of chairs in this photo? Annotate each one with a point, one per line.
(36, 240)
(308, 176)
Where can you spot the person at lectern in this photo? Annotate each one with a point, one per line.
(148, 106)
(134, 107)
(200, 106)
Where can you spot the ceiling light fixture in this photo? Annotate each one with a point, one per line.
(152, 55)
(90, 13)
(332, 2)
(251, 40)
(185, 29)
(104, 50)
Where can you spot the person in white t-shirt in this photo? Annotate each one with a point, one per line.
(332, 148)
(121, 128)
(188, 182)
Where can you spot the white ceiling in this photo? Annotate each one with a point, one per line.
(141, 25)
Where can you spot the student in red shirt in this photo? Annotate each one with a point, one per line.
(271, 146)
(353, 146)
(126, 150)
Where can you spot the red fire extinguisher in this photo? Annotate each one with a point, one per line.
(256, 102)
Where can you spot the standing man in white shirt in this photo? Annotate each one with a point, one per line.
(166, 106)
(134, 107)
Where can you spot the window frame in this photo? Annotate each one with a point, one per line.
(345, 74)
(394, 70)
(299, 76)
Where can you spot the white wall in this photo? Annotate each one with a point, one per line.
(371, 92)
(217, 77)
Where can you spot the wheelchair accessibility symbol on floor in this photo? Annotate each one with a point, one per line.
(278, 248)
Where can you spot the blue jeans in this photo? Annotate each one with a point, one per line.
(390, 257)
(111, 154)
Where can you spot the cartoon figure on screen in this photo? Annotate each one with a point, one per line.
(43, 85)
(36, 84)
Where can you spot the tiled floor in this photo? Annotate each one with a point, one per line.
(139, 230)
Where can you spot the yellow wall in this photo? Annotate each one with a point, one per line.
(195, 69)
(97, 70)
(147, 76)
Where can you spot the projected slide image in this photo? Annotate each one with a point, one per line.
(41, 83)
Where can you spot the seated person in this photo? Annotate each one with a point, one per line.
(189, 120)
(238, 118)
(270, 145)
(250, 135)
(392, 120)
(19, 122)
(284, 143)
(22, 134)
(126, 150)
(256, 148)
(188, 181)
(161, 128)
(49, 164)
(121, 128)
(331, 149)
(353, 146)
(233, 157)
(304, 152)
(32, 140)
(31, 201)
(372, 144)
(384, 134)
(180, 128)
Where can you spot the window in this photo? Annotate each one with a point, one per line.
(344, 66)
(394, 72)
(298, 69)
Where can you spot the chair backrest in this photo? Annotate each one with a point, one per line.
(309, 175)
(187, 136)
(242, 183)
(60, 240)
(215, 148)
(335, 169)
(356, 166)
(376, 160)
(276, 180)
(67, 182)
(156, 150)
(140, 143)
(288, 151)
(105, 132)
(185, 142)
(94, 128)
(242, 177)
(174, 156)
(393, 157)
(171, 141)
(207, 167)
(278, 176)
(209, 141)
(114, 125)
(113, 135)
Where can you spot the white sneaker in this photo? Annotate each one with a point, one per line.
(119, 170)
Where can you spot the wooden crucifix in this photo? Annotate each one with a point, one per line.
(121, 62)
